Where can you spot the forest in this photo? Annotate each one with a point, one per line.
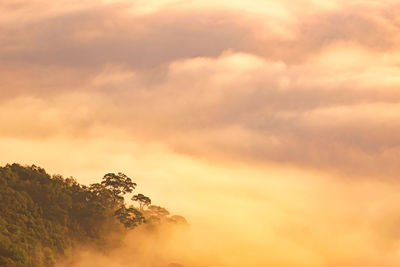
(44, 217)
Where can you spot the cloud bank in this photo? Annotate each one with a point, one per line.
(313, 86)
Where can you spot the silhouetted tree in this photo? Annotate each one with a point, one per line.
(119, 184)
(129, 217)
(142, 200)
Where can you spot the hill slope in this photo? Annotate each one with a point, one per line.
(42, 216)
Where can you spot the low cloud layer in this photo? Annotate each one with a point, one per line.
(337, 110)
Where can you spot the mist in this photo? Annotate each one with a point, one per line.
(269, 217)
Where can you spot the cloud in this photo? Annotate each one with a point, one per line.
(93, 34)
(329, 112)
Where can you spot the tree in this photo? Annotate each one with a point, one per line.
(158, 211)
(119, 184)
(177, 219)
(129, 217)
(156, 214)
(142, 200)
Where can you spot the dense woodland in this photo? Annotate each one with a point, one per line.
(42, 217)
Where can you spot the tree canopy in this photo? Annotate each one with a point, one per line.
(42, 216)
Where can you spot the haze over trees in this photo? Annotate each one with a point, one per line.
(42, 217)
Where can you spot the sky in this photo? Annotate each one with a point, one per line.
(272, 126)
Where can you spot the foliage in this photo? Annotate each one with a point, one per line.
(142, 200)
(42, 216)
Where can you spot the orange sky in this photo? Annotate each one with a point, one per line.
(275, 125)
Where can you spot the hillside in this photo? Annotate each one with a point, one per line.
(42, 217)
